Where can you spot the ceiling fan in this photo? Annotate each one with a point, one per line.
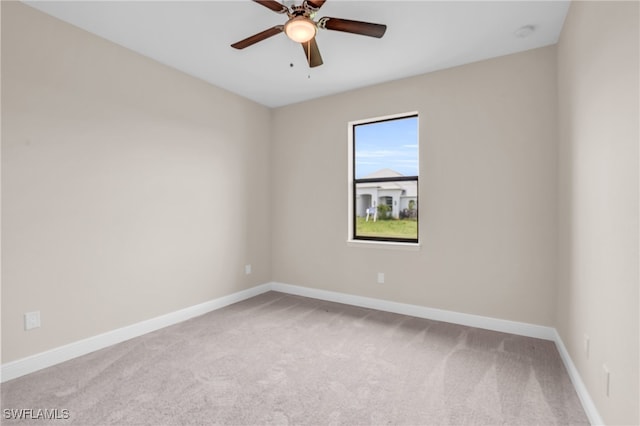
(301, 28)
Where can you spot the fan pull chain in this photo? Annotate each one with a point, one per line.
(309, 55)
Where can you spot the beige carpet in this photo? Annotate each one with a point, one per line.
(281, 359)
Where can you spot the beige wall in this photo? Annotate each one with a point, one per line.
(598, 96)
(487, 191)
(125, 186)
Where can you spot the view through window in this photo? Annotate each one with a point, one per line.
(385, 179)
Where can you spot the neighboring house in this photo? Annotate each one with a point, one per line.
(397, 195)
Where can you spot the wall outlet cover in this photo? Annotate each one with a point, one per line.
(31, 320)
(607, 379)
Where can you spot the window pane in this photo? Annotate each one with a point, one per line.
(387, 210)
(385, 179)
(386, 148)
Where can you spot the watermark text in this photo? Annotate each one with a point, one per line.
(35, 414)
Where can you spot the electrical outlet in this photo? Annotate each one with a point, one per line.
(607, 379)
(247, 269)
(586, 345)
(380, 277)
(31, 320)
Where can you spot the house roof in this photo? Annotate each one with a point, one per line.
(383, 173)
(410, 187)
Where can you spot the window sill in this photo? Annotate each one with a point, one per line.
(388, 245)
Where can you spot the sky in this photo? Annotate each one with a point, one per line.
(389, 144)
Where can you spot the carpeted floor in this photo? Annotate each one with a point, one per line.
(281, 359)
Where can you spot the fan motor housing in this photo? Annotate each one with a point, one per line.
(301, 11)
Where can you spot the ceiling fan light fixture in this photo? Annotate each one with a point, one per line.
(300, 29)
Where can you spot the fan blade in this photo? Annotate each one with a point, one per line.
(273, 5)
(315, 4)
(354, 27)
(258, 37)
(312, 53)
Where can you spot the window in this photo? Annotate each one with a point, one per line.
(383, 179)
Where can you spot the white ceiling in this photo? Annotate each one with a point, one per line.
(422, 36)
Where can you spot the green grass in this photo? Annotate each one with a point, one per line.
(394, 228)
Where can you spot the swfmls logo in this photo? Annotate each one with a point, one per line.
(35, 414)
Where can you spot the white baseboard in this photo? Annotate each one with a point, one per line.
(505, 326)
(30, 364)
(42, 360)
(587, 403)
